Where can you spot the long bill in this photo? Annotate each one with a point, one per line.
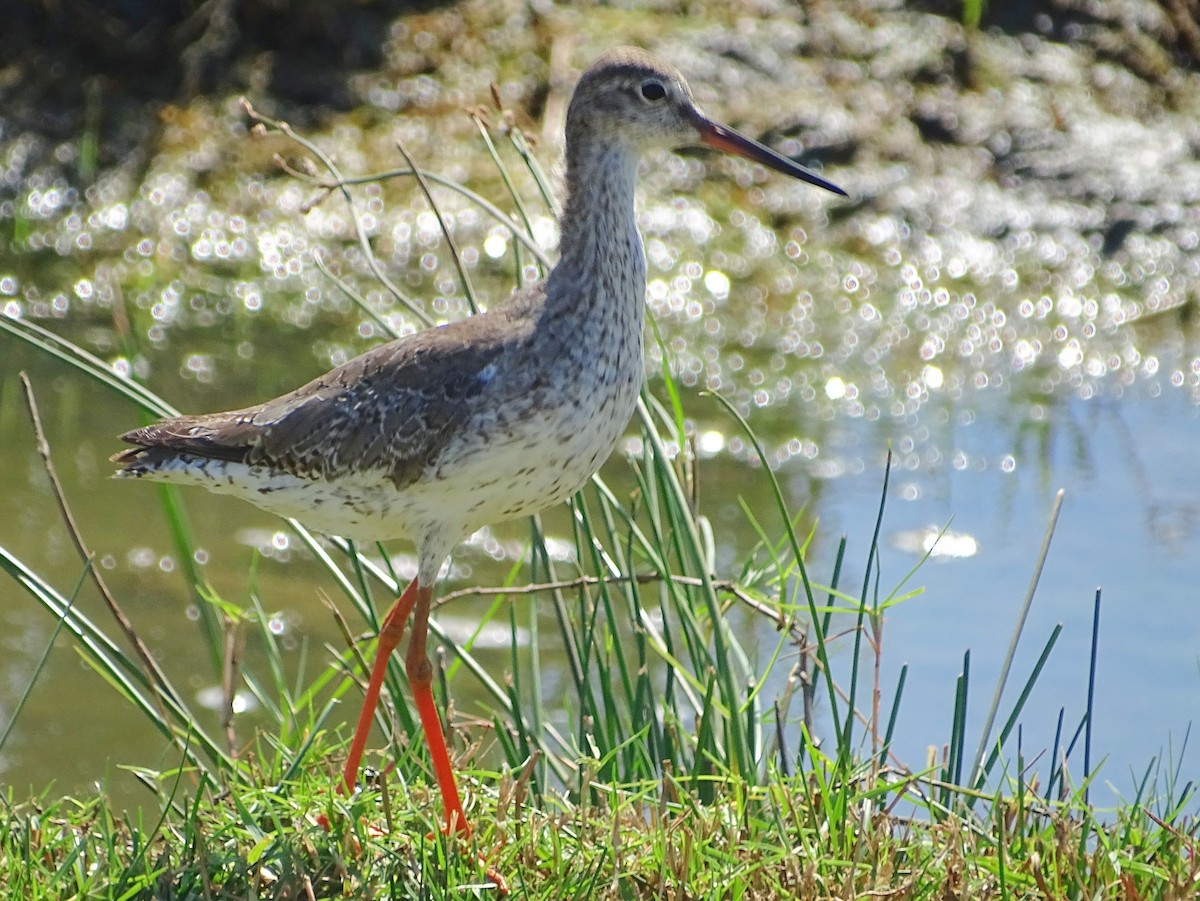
(716, 135)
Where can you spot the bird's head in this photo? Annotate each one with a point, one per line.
(630, 96)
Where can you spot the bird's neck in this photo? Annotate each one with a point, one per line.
(599, 245)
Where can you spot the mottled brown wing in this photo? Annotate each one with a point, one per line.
(393, 409)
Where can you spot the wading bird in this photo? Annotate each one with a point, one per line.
(485, 419)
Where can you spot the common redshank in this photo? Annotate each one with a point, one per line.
(485, 419)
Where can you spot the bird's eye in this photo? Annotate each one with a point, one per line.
(652, 90)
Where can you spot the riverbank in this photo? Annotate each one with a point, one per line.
(288, 835)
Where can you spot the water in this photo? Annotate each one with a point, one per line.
(1128, 527)
(1011, 311)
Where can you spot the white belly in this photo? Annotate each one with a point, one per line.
(541, 462)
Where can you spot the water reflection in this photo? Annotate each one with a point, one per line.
(1010, 311)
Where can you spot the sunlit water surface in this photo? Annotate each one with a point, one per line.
(983, 323)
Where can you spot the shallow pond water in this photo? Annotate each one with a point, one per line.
(1009, 307)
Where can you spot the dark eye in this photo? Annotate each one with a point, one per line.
(652, 90)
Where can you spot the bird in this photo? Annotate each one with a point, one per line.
(480, 420)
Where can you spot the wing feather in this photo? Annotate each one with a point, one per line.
(393, 409)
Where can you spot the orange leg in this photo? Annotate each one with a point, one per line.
(389, 636)
(420, 680)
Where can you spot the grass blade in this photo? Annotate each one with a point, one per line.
(1043, 553)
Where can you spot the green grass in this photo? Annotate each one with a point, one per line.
(282, 832)
(686, 765)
